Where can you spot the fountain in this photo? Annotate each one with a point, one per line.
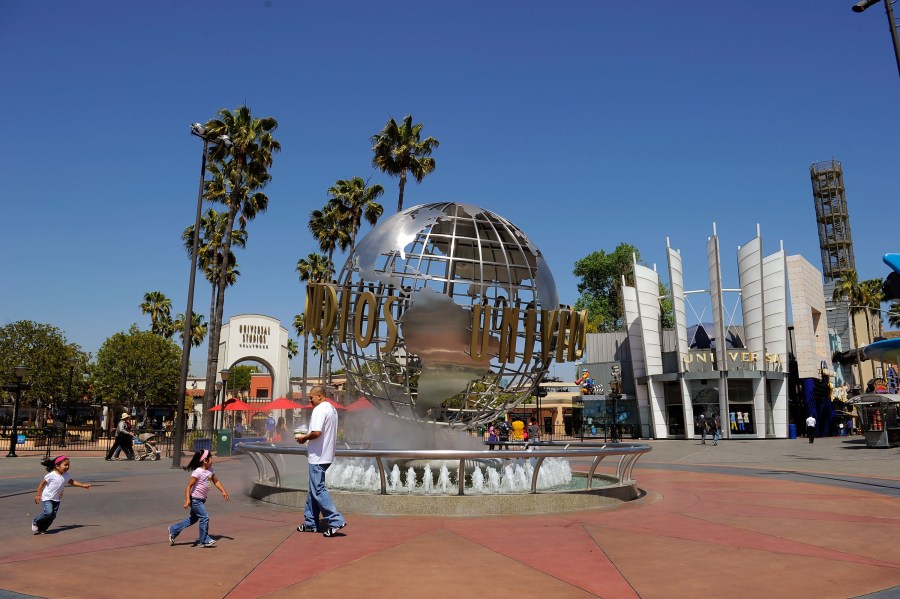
(445, 316)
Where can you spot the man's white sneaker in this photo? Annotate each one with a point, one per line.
(333, 530)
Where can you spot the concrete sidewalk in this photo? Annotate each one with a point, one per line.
(745, 519)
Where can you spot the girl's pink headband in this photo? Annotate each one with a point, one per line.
(204, 455)
(59, 459)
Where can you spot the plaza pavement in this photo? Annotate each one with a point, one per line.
(780, 518)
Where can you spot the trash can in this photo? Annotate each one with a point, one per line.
(792, 431)
(223, 442)
(201, 444)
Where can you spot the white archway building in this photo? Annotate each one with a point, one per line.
(261, 339)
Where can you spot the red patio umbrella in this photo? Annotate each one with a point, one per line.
(282, 403)
(233, 405)
(360, 404)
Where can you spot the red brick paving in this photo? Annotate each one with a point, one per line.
(691, 535)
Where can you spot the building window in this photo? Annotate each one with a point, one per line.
(740, 407)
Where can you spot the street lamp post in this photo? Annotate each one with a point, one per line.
(65, 413)
(614, 396)
(17, 387)
(889, 10)
(197, 130)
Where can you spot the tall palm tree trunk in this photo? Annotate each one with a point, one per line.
(305, 362)
(858, 356)
(209, 396)
(213, 367)
(402, 187)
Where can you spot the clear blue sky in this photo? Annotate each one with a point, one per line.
(585, 123)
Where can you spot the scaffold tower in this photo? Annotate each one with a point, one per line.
(832, 218)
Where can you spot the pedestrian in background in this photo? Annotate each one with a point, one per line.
(49, 492)
(124, 439)
(811, 428)
(492, 437)
(195, 495)
(534, 432)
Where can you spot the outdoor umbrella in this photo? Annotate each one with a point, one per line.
(282, 403)
(360, 404)
(233, 405)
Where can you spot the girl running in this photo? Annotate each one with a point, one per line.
(49, 492)
(195, 497)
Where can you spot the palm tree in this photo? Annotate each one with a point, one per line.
(209, 252)
(894, 314)
(329, 229)
(871, 296)
(315, 267)
(240, 170)
(300, 328)
(292, 349)
(356, 202)
(198, 328)
(400, 149)
(847, 288)
(159, 307)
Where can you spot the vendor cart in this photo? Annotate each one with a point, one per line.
(879, 415)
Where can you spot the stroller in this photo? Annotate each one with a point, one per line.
(148, 447)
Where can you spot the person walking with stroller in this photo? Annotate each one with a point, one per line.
(195, 495)
(49, 492)
(322, 434)
(124, 439)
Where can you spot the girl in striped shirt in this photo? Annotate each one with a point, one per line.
(195, 497)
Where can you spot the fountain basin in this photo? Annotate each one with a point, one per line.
(273, 486)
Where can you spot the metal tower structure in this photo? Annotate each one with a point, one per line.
(833, 219)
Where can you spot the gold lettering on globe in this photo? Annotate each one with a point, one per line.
(355, 310)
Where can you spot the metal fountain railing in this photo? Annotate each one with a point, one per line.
(628, 454)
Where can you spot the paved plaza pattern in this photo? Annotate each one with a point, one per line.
(778, 518)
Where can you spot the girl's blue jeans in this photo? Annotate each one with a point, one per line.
(198, 514)
(46, 518)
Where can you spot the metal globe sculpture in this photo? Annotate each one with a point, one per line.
(445, 313)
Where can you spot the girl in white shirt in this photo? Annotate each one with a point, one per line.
(49, 492)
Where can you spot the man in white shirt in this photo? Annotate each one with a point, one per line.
(811, 428)
(322, 435)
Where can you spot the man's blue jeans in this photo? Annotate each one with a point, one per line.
(318, 500)
(46, 518)
(198, 513)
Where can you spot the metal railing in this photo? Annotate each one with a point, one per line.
(576, 432)
(628, 453)
(52, 440)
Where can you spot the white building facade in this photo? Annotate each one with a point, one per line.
(734, 367)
